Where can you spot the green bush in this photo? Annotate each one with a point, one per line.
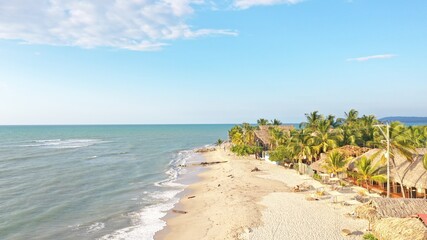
(317, 177)
(244, 150)
(280, 154)
(369, 236)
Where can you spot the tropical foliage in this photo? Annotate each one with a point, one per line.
(368, 171)
(336, 162)
(219, 142)
(320, 134)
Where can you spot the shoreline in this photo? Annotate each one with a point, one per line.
(221, 188)
(193, 178)
(232, 202)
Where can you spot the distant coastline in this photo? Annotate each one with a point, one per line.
(407, 120)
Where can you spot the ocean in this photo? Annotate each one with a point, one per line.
(95, 182)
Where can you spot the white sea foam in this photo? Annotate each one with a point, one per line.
(148, 221)
(62, 144)
(95, 227)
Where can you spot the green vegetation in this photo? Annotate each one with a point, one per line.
(336, 163)
(369, 236)
(322, 134)
(368, 171)
(219, 142)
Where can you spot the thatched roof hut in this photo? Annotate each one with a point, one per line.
(413, 172)
(400, 228)
(393, 207)
(262, 135)
(347, 150)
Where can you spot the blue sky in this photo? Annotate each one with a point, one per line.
(195, 61)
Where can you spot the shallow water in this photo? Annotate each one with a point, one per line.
(88, 182)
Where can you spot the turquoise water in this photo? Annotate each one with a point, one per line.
(89, 182)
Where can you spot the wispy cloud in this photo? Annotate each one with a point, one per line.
(367, 58)
(244, 4)
(132, 24)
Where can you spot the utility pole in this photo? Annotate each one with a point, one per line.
(387, 138)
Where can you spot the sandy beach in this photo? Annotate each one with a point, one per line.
(233, 202)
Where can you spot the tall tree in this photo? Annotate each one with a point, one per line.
(335, 162)
(325, 137)
(400, 144)
(276, 122)
(368, 171)
(277, 135)
(417, 136)
(312, 121)
(351, 116)
(367, 127)
(248, 133)
(301, 146)
(262, 122)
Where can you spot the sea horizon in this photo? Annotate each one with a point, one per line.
(91, 182)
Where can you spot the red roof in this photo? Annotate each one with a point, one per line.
(423, 217)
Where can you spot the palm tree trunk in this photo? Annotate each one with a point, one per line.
(367, 186)
(402, 189)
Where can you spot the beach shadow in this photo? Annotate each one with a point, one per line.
(357, 233)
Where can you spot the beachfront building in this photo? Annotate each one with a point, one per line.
(263, 137)
(348, 151)
(411, 174)
(396, 218)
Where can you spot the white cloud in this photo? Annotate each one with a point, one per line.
(367, 58)
(126, 24)
(244, 4)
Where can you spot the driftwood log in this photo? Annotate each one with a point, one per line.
(203, 150)
(211, 163)
(179, 211)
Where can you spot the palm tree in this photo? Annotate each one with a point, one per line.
(236, 135)
(367, 128)
(331, 119)
(277, 135)
(400, 143)
(237, 139)
(301, 146)
(313, 119)
(335, 162)
(219, 142)
(248, 134)
(325, 138)
(351, 116)
(348, 134)
(368, 171)
(417, 136)
(276, 122)
(262, 122)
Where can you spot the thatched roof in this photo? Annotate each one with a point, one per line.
(347, 150)
(263, 134)
(400, 228)
(392, 207)
(413, 173)
(318, 165)
(365, 211)
(375, 153)
(352, 151)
